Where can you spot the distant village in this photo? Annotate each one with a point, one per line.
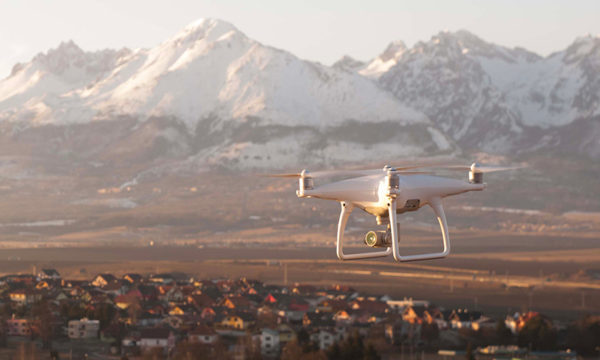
(174, 315)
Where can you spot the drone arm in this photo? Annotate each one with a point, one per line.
(436, 205)
(344, 215)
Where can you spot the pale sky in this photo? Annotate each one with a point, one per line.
(319, 30)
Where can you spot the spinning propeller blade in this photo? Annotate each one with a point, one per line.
(326, 173)
(479, 168)
(413, 169)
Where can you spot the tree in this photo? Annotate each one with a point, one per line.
(104, 312)
(251, 348)
(303, 337)
(291, 351)
(188, 350)
(469, 352)
(134, 310)
(371, 353)
(429, 332)
(3, 330)
(43, 313)
(584, 336)
(334, 352)
(537, 334)
(353, 348)
(503, 333)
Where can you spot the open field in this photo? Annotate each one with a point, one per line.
(535, 245)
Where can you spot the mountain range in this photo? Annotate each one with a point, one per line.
(211, 96)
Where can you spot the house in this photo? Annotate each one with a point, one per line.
(48, 274)
(124, 301)
(484, 323)
(269, 343)
(165, 278)
(174, 322)
(149, 293)
(516, 322)
(25, 296)
(174, 295)
(304, 289)
(181, 310)
(83, 329)
(413, 314)
(463, 318)
(286, 334)
(240, 321)
(115, 288)
(203, 335)
(370, 306)
(434, 315)
(60, 296)
(156, 338)
(149, 320)
(18, 327)
(237, 303)
(133, 278)
(396, 332)
(270, 299)
(332, 305)
(20, 279)
(101, 280)
(323, 338)
(200, 301)
(317, 320)
(342, 317)
(43, 284)
(399, 305)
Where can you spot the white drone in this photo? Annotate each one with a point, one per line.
(387, 192)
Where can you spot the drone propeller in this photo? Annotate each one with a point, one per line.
(367, 172)
(413, 169)
(483, 169)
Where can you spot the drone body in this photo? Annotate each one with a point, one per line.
(385, 194)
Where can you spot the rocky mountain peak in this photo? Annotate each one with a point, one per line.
(393, 51)
(583, 47)
(348, 63)
(206, 29)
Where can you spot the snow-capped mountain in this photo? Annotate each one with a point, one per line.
(497, 99)
(212, 96)
(208, 95)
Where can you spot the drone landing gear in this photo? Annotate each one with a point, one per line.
(346, 211)
(435, 204)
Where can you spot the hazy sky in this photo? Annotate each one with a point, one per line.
(321, 30)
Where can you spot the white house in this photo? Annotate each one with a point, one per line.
(269, 343)
(400, 305)
(48, 274)
(18, 327)
(83, 329)
(323, 338)
(156, 338)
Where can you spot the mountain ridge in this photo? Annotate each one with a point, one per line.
(211, 96)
